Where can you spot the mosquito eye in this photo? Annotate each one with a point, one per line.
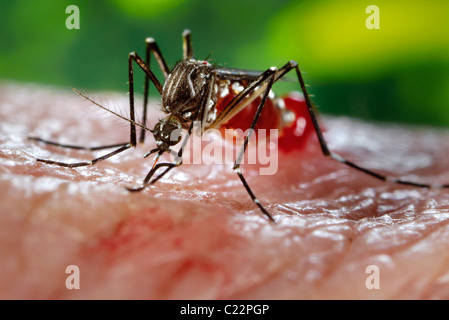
(167, 132)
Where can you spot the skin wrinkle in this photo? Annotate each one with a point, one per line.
(262, 279)
(404, 224)
(440, 270)
(427, 283)
(344, 249)
(332, 222)
(397, 249)
(255, 286)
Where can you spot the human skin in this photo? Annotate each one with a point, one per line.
(196, 234)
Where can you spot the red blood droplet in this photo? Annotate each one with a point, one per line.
(292, 137)
(295, 136)
(269, 118)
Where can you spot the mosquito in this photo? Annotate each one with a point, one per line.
(191, 92)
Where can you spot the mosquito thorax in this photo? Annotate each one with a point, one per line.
(184, 88)
(167, 132)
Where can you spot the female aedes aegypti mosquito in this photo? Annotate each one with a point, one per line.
(189, 94)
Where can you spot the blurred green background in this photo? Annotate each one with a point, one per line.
(399, 72)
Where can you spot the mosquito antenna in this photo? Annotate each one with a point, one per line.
(109, 110)
(208, 56)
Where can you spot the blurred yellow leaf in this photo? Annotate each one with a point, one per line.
(331, 37)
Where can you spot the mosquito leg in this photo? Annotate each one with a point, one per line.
(150, 174)
(270, 80)
(146, 92)
(132, 121)
(187, 44)
(151, 47)
(71, 146)
(133, 128)
(324, 147)
(123, 146)
(134, 56)
(169, 165)
(148, 75)
(253, 197)
(87, 163)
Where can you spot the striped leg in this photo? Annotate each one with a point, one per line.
(293, 65)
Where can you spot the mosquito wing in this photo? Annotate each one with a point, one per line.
(237, 74)
(236, 105)
(243, 75)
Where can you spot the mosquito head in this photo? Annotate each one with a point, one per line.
(167, 133)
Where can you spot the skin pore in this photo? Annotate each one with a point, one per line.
(196, 234)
